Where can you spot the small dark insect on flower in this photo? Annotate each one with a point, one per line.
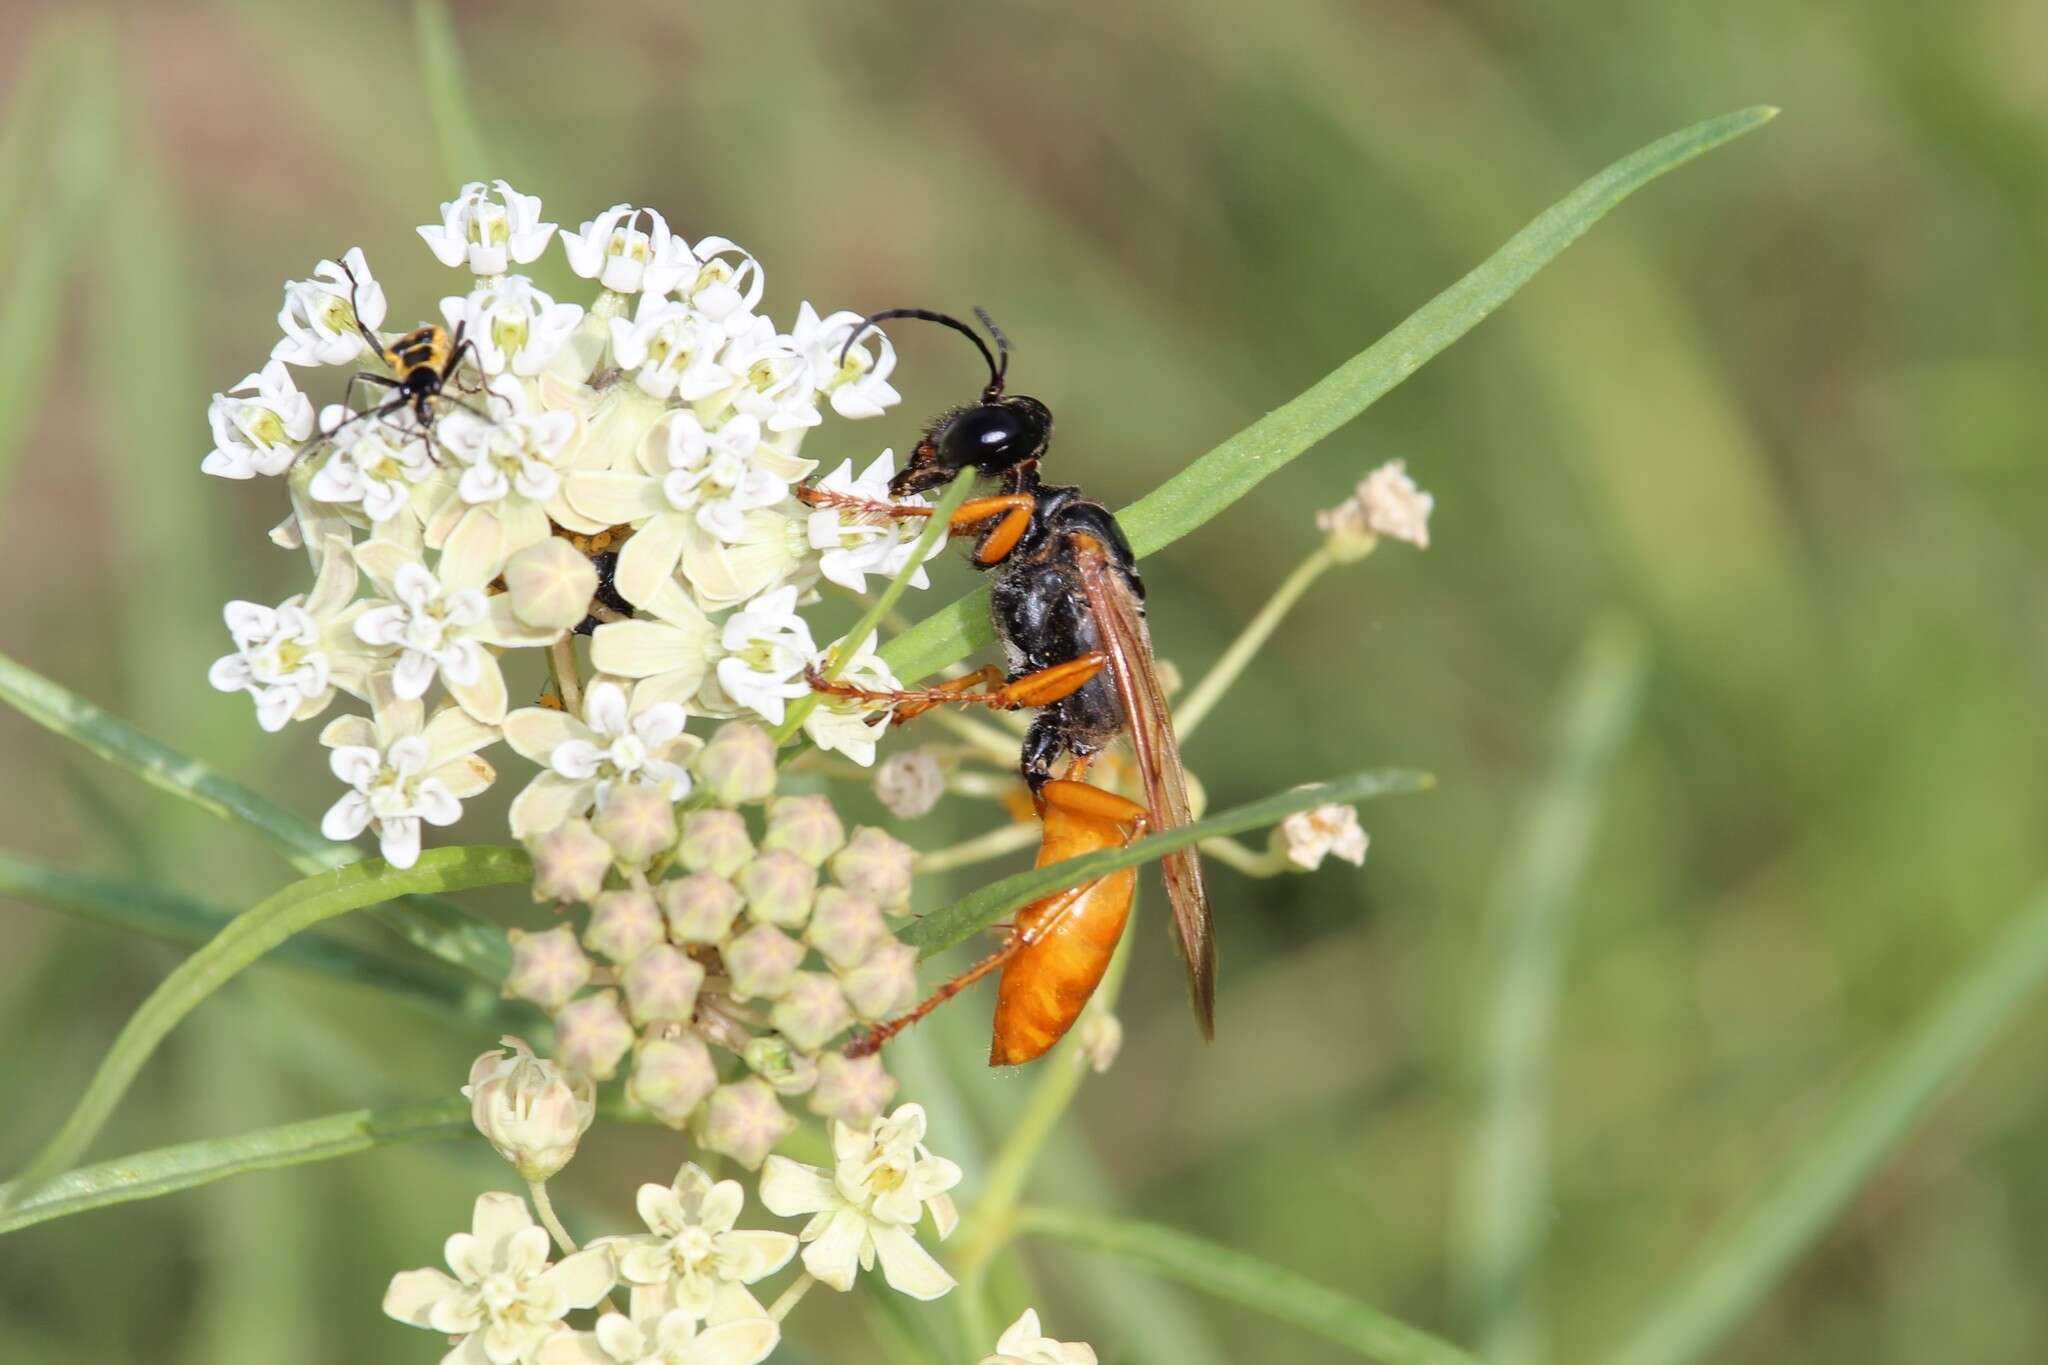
(1069, 608)
(423, 364)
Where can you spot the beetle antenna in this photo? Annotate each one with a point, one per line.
(1002, 349)
(995, 371)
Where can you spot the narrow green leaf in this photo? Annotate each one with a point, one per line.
(934, 529)
(979, 909)
(1219, 478)
(445, 930)
(1753, 1250)
(247, 937)
(1528, 921)
(137, 908)
(448, 105)
(1247, 1280)
(170, 1169)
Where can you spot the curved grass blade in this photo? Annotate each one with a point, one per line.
(448, 105)
(1257, 1284)
(976, 911)
(170, 1169)
(1219, 478)
(247, 937)
(137, 908)
(1753, 1249)
(445, 930)
(1529, 919)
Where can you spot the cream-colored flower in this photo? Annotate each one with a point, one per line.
(404, 769)
(436, 629)
(1387, 503)
(509, 469)
(291, 657)
(867, 1207)
(657, 1335)
(504, 1299)
(1307, 837)
(693, 1250)
(531, 1111)
(1022, 1343)
(617, 740)
(847, 725)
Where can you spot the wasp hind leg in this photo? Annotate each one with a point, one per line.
(1032, 690)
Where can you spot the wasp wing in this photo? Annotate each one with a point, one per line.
(1121, 622)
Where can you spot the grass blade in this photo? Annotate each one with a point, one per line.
(1219, 478)
(1529, 926)
(446, 931)
(140, 909)
(976, 911)
(448, 105)
(170, 1169)
(247, 937)
(1754, 1248)
(1250, 1281)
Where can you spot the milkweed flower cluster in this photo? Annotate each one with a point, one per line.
(622, 468)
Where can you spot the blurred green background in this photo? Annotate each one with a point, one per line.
(1781, 412)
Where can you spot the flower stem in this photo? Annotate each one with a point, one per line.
(562, 670)
(545, 1207)
(1217, 681)
(979, 849)
(1249, 862)
(792, 1296)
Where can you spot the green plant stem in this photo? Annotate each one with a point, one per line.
(545, 1207)
(1257, 1284)
(792, 1296)
(562, 673)
(1245, 861)
(1754, 1248)
(979, 849)
(249, 936)
(1528, 922)
(1202, 700)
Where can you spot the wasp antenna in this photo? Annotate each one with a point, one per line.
(995, 372)
(1002, 349)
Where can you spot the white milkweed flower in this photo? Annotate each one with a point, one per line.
(284, 655)
(658, 1335)
(774, 379)
(847, 725)
(669, 655)
(509, 482)
(319, 319)
(616, 740)
(504, 1299)
(1386, 503)
(671, 349)
(858, 386)
(854, 544)
(692, 1249)
(1307, 837)
(767, 647)
(1022, 1343)
(403, 769)
(868, 1205)
(439, 629)
(489, 236)
(531, 1110)
(724, 474)
(515, 326)
(722, 283)
(622, 257)
(259, 434)
(375, 462)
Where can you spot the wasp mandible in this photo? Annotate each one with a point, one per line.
(1069, 608)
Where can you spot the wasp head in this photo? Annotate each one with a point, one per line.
(991, 437)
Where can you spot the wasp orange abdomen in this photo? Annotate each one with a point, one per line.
(1067, 939)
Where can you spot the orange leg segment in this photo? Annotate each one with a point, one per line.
(1042, 688)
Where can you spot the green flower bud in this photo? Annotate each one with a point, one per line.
(547, 968)
(778, 886)
(854, 1090)
(744, 1120)
(787, 1071)
(700, 907)
(638, 822)
(885, 984)
(623, 925)
(591, 1035)
(812, 1011)
(569, 863)
(714, 841)
(661, 985)
(762, 961)
(844, 927)
(878, 867)
(550, 584)
(738, 765)
(671, 1077)
(806, 826)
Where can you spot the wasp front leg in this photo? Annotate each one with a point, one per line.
(1028, 692)
(1010, 511)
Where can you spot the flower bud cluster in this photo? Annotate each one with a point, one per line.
(723, 951)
